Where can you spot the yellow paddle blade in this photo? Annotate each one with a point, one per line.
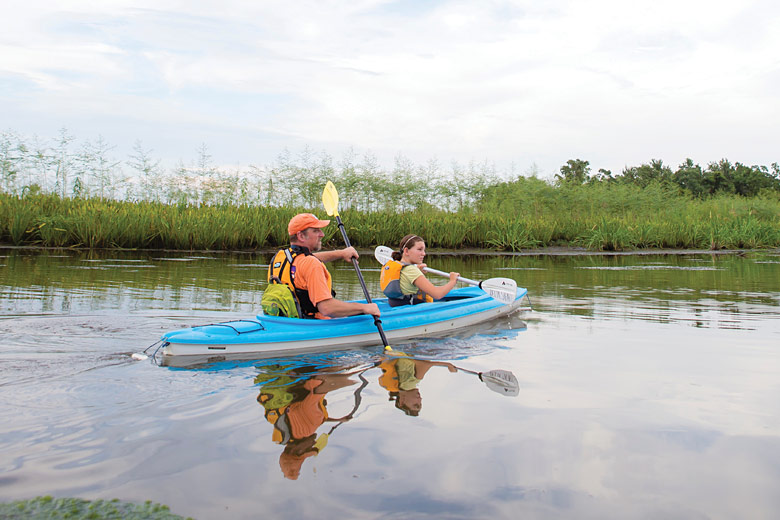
(330, 199)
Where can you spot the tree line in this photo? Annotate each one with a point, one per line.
(721, 177)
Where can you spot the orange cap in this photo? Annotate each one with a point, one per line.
(303, 221)
(291, 464)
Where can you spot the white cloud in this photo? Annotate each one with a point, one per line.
(613, 82)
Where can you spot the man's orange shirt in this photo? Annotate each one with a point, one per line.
(311, 275)
(307, 415)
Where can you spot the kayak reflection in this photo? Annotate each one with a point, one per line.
(293, 397)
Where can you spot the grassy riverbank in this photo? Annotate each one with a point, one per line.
(531, 214)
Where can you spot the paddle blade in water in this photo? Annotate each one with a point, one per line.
(501, 381)
(330, 199)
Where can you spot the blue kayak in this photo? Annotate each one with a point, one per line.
(273, 335)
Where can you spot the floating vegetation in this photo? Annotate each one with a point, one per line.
(75, 508)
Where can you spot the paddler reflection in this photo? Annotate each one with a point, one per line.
(401, 376)
(295, 403)
(294, 398)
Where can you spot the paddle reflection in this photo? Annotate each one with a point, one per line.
(294, 397)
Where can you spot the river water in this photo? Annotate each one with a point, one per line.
(649, 388)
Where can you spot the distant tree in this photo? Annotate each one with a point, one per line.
(689, 177)
(643, 175)
(719, 177)
(575, 171)
(750, 180)
(602, 176)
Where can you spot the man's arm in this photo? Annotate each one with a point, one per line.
(345, 254)
(334, 308)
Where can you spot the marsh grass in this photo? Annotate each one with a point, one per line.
(47, 507)
(596, 217)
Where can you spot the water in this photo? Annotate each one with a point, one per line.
(648, 389)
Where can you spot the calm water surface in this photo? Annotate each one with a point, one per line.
(649, 388)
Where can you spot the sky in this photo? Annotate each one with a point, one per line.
(523, 85)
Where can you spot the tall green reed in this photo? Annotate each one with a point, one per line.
(598, 218)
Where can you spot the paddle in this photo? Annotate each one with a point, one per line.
(503, 290)
(502, 381)
(330, 199)
(322, 440)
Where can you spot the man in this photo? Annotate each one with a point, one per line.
(301, 268)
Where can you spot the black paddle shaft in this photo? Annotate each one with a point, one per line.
(377, 321)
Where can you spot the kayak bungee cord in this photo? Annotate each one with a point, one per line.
(162, 343)
(145, 353)
(228, 325)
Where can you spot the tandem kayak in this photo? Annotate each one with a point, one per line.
(273, 335)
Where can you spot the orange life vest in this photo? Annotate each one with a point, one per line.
(390, 283)
(282, 270)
